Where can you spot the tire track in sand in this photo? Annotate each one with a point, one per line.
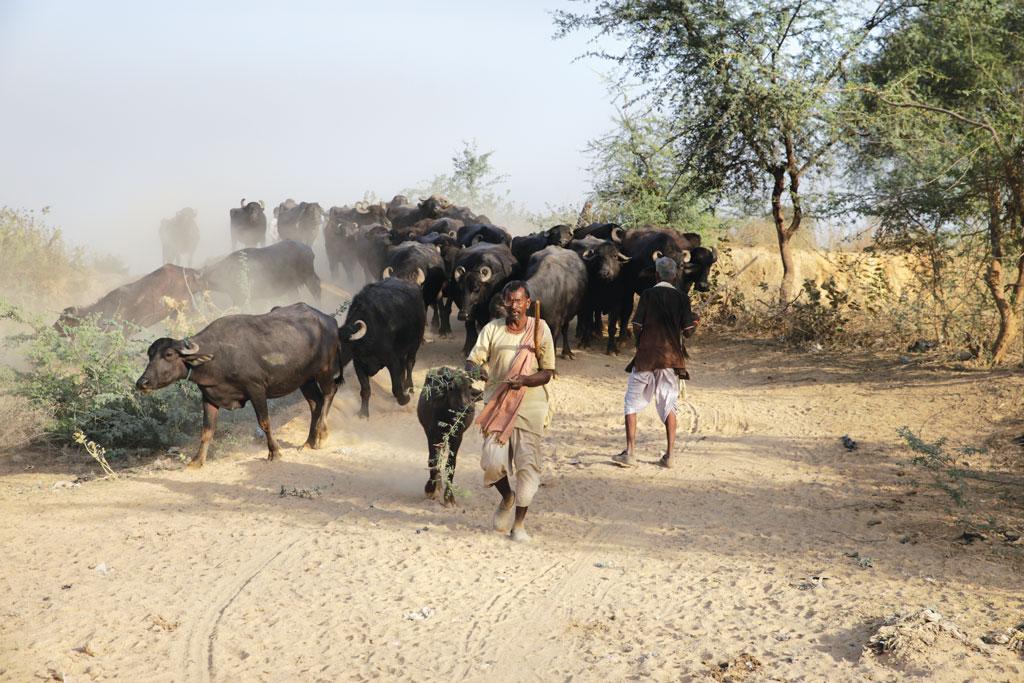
(196, 661)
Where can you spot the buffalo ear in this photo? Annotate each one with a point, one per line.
(193, 361)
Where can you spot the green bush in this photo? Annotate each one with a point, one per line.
(85, 381)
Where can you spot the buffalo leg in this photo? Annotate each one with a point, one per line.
(364, 391)
(454, 441)
(209, 427)
(315, 399)
(259, 405)
(434, 453)
(313, 285)
(396, 368)
(471, 335)
(435, 319)
(329, 388)
(566, 350)
(446, 317)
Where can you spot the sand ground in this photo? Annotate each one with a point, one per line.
(737, 564)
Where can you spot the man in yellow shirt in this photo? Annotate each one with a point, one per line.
(516, 411)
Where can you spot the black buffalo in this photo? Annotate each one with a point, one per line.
(525, 247)
(383, 329)
(299, 222)
(607, 290)
(141, 302)
(261, 273)
(445, 411)
(476, 233)
(604, 231)
(341, 229)
(557, 279)
(371, 244)
(248, 225)
(423, 265)
(427, 226)
(646, 246)
(240, 358)
(403, 215)
(479, 272)
(179, 237)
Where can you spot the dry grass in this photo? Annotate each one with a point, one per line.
(21, 423)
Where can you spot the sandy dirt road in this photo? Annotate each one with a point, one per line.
(737, 563)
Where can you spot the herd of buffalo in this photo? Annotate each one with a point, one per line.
(411, 257)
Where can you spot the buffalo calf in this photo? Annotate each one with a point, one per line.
(445, 411)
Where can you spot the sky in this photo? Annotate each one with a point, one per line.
(117, 114)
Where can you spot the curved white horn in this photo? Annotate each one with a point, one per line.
(588, 254)
(420, 276)
(485, 274)
(360, 331)
(438, 247)
(656, 255)
(685, 256)
(622, 257)
(190, 348)
(459, 272)
(453, 234)
(387, 273)
(618, 234)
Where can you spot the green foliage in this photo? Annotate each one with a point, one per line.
(638, 182)
(941, 154)
(818, 315)
(84, 379)
(474, 182)
(944, 467)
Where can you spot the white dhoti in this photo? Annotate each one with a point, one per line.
(661, 386)
(520, 459)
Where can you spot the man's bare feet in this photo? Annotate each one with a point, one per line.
(519, 535)
(667, 461)
(504, 515)
(624, 459)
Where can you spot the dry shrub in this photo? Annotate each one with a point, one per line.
(36, 262)
(21, 422)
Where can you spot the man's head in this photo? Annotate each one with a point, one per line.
(515, 297)
(665, 269)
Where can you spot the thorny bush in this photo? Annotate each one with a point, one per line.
(84, 380)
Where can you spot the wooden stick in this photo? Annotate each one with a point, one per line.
(538, 336)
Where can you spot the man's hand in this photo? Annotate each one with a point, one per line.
(539, 378)
(477, 370)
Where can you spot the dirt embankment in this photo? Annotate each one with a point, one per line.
(769, 552)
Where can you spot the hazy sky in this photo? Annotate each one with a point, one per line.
(117, 114)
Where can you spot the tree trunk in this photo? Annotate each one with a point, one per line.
(1009, 318)
(785, 248)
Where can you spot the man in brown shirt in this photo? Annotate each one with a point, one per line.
(663, 317)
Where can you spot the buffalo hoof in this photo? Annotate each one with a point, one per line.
(313, 445)
(568, 355)
(430, 490)
(194, 464)
(449, 497)
(364, 413)
(402, 398)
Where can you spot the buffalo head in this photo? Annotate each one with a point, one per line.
(169, 361)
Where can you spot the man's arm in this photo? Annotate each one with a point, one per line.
(478, 370)
(688, 318)
(537, 379)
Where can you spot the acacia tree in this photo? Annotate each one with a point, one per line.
(752, 88)
(942, 106)
(636, 180)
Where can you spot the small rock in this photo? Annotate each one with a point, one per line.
(603, 565)
(848, 443)
(423, 614)
(996, 638)
(102, 568)
(963, 355)
(903, 360)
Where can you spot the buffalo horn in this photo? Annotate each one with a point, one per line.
(243, 202)
(453, 234)
(459, 272)
(420, 276)
(190, 348)
(684, 257)
(476, 240)
(622, 257)
(485, 274)
(361, 207)
(588, 254)
(656, 255)
(262, 205)
(617, 234)
(387, 272)
(360, 331)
